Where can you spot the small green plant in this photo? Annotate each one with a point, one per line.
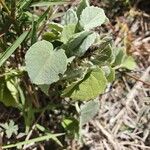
(10, 128)
(75, 58)
(71, 61)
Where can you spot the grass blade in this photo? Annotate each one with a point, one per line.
(45, 3)
(12, 48)
(39, 139)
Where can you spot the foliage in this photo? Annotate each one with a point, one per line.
(10, 128)
(48, 66)
(76, 39)
(70, 61)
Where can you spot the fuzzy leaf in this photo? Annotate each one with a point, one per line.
(44, 64)
(86, 44)
(83, 4)
(10, 128)
(73, 44)
(93, 84)
(67, 32)
(88, 111)
(92, 17)
(70, 17)
(129, 63)
(80, 43)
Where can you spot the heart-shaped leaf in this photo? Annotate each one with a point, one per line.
(93, 84)
(44, 64)
(92, 17)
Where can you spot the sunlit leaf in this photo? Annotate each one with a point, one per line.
(92, 17)
(93, 84)
(45, 68)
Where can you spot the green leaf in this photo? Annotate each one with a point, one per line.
(86, 44)
(70, 17)
(10, 128)
(24, 4)
(49, 36)
(88, 111)
(129, 63)
(11, 85)
(102, 56)
(109, 73)
(119, 55)
(78, 42)
(55, 26)
(12, 48)
(44, 88)
(71, 125)
(35, 26)
(83, 4)
(44, 64)
(93, 84)
(43, 129)
(67, 32)
(5, 95)
(72, 74)
(92, 17)
(45, 3)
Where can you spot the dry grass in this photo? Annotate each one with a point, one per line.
(123, 122)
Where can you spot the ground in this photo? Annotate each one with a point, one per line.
(123, 121)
